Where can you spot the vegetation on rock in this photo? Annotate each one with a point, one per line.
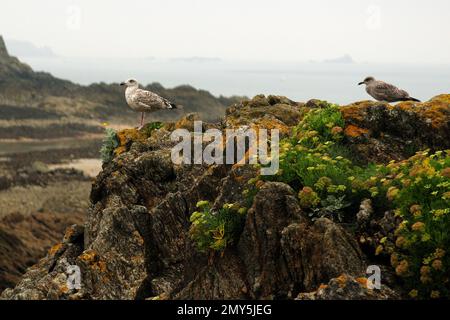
(315, 162)
(216, 230)
(110, 143)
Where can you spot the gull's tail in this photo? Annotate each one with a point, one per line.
(171, 105)
(175, 106)
(410, 99)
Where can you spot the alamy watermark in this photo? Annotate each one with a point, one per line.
(73, 277)
(242, 146)
(374, 280)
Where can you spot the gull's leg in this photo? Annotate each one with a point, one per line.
(142, 121)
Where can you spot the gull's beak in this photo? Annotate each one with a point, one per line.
(122, 84)
(360, 83)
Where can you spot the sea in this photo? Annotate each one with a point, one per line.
(300, 81)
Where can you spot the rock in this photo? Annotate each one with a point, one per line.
(136, 243)
(283, 253)
(273, 112)
(365, 212)
(379, 132)
(322, 251)
(346, 287)
(187, 122)
(274, 208)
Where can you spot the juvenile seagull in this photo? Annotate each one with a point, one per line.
(383, 91)
(143, 100)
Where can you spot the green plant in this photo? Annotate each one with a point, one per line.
(331, 207)
(419, 192)
(110, 143)
(150, 127)
(315, 162)
(216, 230)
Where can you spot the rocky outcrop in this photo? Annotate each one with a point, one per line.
(136, 244)
(380, 132)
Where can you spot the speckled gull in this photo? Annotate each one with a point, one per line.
(144, 101)
(383, 91)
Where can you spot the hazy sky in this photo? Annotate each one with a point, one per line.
(412, 31)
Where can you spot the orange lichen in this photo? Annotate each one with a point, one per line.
(362, 281)
(323, 286)
(356, 111)
(127, 136)
(270, 123)
(342, 280)
(91, 258)
(69, 233)
(88, 256)
(53, 250)
(354, 131)
(435, 110)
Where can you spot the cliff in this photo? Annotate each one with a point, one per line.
(355, 188)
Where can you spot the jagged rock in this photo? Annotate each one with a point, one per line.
(283, 253)
(324, 250)
(273, 112)
(379, 132)
(346, 287)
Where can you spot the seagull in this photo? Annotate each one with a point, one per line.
(383, 91)
(144, 101)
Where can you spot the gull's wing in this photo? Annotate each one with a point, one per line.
(387, 92)
(151, 100)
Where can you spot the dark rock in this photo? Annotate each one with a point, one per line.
(346, 287)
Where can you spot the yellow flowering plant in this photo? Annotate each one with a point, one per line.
(424, 233)
(216, 230)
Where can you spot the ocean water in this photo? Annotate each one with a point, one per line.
(335, 82)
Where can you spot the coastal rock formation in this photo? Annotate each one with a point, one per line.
(380, 132)
(136, 242)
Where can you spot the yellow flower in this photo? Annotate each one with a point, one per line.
(406, 182)
(228, 206)
(413, 293)
(425, 270)
(242, 211)
(418, 226)
(402, 268)
(435, 294)
(392, 193)
(446, 172)
(336, 130)
(394, 260)
(379, 250)
(415, 208)
(400, 242)
(202, 204)
(439, 253)
(437, 265)
(426, 237)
